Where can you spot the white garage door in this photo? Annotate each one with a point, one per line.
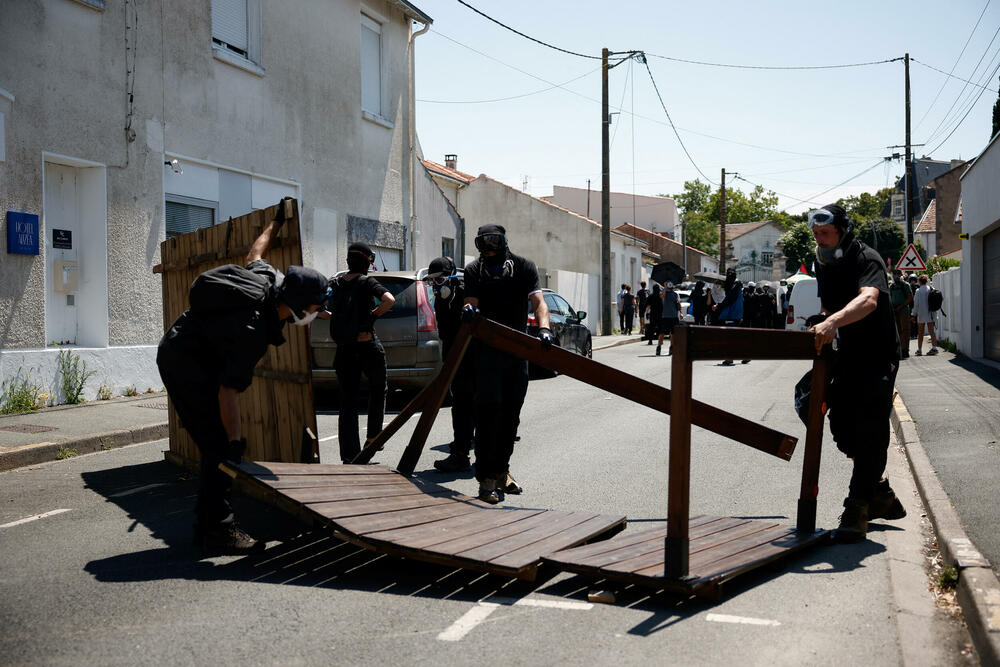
(388, 259)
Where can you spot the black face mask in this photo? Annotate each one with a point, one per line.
(497, 266)
(358, 263)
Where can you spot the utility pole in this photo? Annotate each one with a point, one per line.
(722, 225)
(908, 179)
(605, 201)
(684, 247)
(588, 197)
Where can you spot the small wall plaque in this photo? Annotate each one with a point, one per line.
(62, 239)
(22, 233)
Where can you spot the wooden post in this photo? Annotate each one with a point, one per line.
(676, 548)
(310, 446)
(806, 519)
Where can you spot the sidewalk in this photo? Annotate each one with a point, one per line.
(37, 437)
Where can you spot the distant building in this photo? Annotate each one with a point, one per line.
(751, 248)
(925, 170)
(656, 214)
(669, 250)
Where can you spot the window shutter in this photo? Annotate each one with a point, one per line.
(229, 23)
(184, 218)
(371, 66)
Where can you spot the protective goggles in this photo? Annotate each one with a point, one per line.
(819, 217)
(442, 279)
(370, 258)
(491, 242)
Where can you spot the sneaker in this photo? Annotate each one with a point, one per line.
(884, 504)
(853, 522)
(488, 492)
(931, 352)
(745, 361)
(727, 362)
(650, 342)
(657, 350)
(227, 539)
(918, 353)
(508, 484)
(453, 463)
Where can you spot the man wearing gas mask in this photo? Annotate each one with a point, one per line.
(500, 285)
(207, 358)
(449, 298)
(359, 350)
(856, 308)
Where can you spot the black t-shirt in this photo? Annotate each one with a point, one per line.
(449, 313)
(352, 304)
(871, 339)
(228, 343)
(503, 294)
(642, 296)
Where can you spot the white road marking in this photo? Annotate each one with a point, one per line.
(33, 518)
(138, 489)
(470, 619)
(329, 437)
(745, 620)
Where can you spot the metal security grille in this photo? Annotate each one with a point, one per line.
(184, 218)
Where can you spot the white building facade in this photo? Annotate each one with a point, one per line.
(656, 214)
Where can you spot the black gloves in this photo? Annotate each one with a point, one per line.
(545, 335)
(235, 449)
(279, 215)
(469, 313)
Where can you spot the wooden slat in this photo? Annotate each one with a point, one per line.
(719, 343)
(679, 462)
(349, 508)
(366, 525)
(299, 481)
(703, 550)
(568, 537)
(501, 539)
(322, 494)
(434, 534)
(264, 468)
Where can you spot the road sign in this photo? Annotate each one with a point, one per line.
(910, 261)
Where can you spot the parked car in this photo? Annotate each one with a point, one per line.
(803, 304)
(567, 326)
(408, 333)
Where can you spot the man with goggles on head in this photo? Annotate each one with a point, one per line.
(856, 308)
(449, 298)
(500, 285)
(358, 348)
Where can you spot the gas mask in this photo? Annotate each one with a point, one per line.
(358, 262)
(444, 291)
(497, 266)
(305, 319)
(825, 216)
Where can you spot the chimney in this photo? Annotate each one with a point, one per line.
(451, 161)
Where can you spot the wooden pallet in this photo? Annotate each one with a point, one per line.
(721, 548)
(379, 509)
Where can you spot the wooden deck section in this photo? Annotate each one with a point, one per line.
(379, 509)
(721, 548)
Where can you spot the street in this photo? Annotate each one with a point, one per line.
(108, 575)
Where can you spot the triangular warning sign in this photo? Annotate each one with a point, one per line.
(910, 261)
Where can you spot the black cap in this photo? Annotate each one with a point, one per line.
(302, 287)
(361, 248)
(441, 266)
(491, 229)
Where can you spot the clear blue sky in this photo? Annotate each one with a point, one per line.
(810, 129)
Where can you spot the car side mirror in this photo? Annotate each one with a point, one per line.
(581, 315)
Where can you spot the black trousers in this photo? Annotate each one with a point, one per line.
(860, 400)
(463, 405)
(352, 360)
(629, 317)
(195, 396)
(501, 385)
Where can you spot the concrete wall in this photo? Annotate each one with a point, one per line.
(980, 216)
(657, 214)
(555, 239)
(293, 124)
(436, 219)
(583, 291)
(948, 193)
(949, 318)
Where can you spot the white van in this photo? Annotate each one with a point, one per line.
(803, 304)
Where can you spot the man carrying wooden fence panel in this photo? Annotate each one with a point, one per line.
(208, 357)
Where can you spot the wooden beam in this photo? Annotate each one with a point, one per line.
(721, 343)
(809, 490)
(676, 546)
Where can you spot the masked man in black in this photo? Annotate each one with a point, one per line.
(855, 301)
(208, 357)
(500, 285)
(449, 298)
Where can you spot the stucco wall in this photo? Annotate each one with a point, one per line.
(436, 219)
(947, 192)
(757, 241)
(980, 215)
(657, 214)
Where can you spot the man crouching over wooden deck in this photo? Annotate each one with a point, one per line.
(208, 356)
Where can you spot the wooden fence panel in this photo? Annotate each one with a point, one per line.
(279, 404)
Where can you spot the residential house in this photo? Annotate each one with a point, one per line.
(653, 213)
(669, 250)
(751, 247)
(122, 124)
(980, 272)
(941, 223)
(925, 170)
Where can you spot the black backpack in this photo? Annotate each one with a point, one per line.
(935, 299)
(228, 287)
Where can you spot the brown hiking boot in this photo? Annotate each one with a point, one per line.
(489, 493)
(228, 539)
(508, 484)
(884, 504)
(853, 521)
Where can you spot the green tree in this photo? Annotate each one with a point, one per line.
(884, 235)
(701, 209)
(996, 117)
(866, 206)
(799, 247)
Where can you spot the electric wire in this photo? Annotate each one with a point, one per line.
(967, 111)
(773, 67)
(941, 71)
(967, 104)
(512, 97)
(529, 37)
(810, 198)
(945, 82)
(621, 105)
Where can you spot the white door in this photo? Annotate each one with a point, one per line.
(62, 212)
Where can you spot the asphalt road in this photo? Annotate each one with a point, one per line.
(110, 578)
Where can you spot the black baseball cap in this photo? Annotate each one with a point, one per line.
(303, 287)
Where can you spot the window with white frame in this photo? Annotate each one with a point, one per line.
(186, 214)
(371, 66)
(236, 30)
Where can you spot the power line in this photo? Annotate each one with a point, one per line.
(512, 97)
(518, 32)
(967, 111)
(945, 82)
(809, 200)
(968, 103)
(773, 67)
(941, 71)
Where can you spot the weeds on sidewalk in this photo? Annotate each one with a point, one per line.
(65, 453)
(74, 374)
(104, 393)
(19, 395)
(131, 391)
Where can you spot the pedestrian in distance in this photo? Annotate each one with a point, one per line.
(856, 308)
(925, 316)
(497, 285)
(641, 296)
(621, 308)
(784, 293)
(207, 358)
(449, 299)
(699, 302)
(654, 311)
(729, 312)
(669, 316)
(901, 297)
(628, 308)
(358, 347)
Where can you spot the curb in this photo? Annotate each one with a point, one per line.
(43, 453)
(978, 586)
(616, 343)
